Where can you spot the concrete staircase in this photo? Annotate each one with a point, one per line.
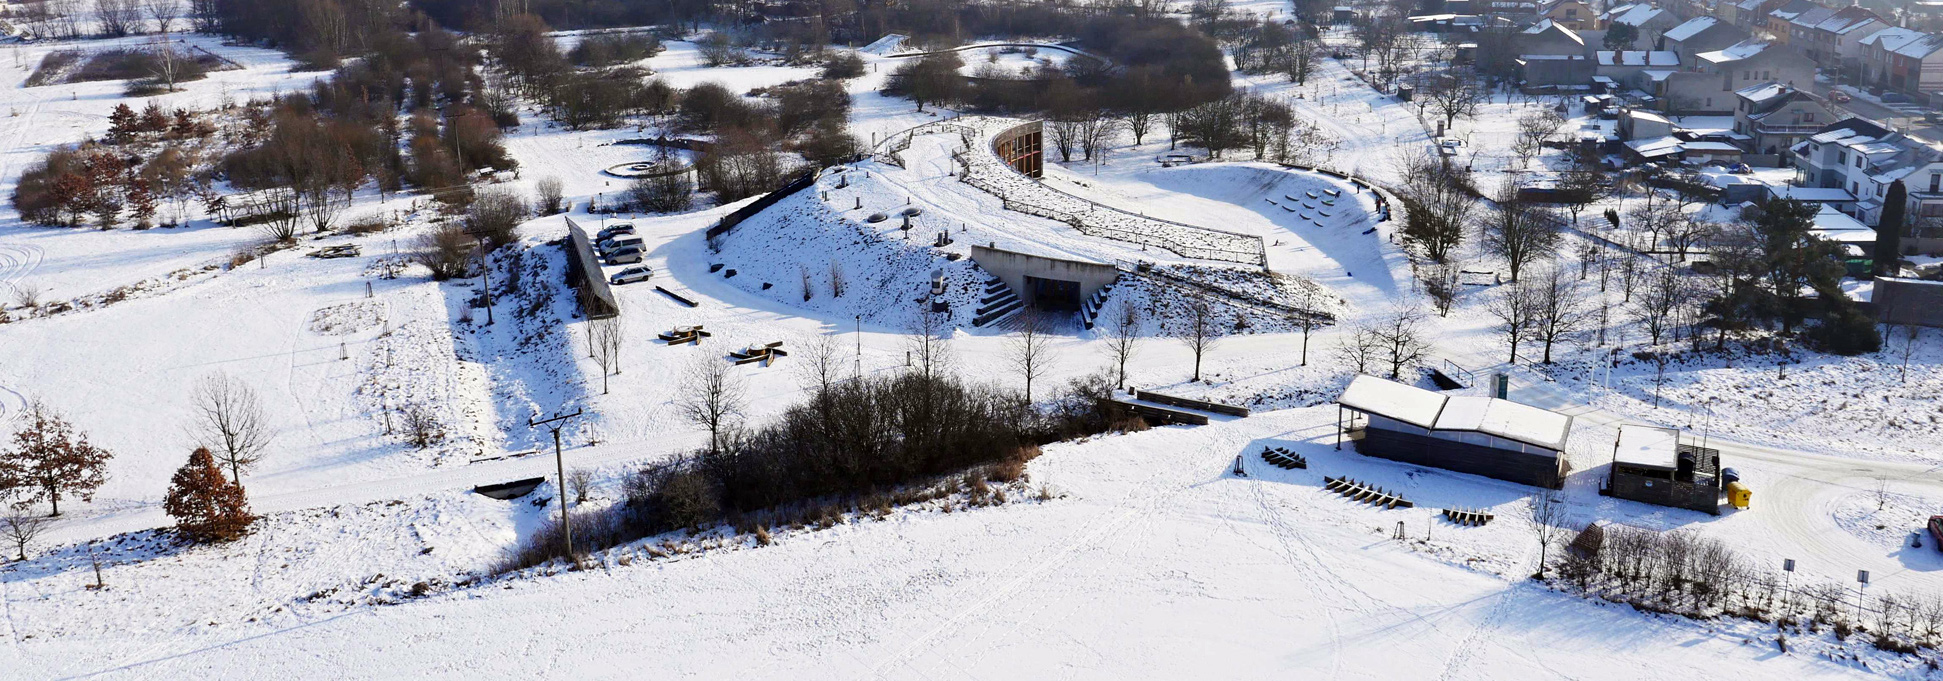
(997, 303)
(1090, 310)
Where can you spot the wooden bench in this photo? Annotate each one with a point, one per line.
(1365, 493)
(1283, 458)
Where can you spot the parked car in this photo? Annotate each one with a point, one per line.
(1839, 97)
(613, 231)
(1936, 530)
(622, 241)
(631, 275)
(622, 256)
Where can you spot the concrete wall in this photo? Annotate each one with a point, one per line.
(1013, 267)
(584, 275)
(1907, 301)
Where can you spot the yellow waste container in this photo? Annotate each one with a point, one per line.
(1738, 494)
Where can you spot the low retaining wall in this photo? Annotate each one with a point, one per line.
(583, 273)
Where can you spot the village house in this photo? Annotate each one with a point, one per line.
(1902, 60)
(1709, 84)
(1775, 116)
(1701, 34)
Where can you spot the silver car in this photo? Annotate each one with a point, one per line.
(631, 275)
(622, 256)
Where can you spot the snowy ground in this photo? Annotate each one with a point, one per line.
(1154, 561)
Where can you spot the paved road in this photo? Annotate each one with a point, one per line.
(1795, 504)
(1871, 110)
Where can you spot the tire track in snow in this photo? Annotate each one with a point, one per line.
(1100, 529)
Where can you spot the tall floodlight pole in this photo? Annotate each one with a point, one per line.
(560, 467)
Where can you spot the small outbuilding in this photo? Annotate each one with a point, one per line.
(1650, 464)
(1469, 434)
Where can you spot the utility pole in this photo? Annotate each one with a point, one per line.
(485, 271)
(860, 347)
(560, 468)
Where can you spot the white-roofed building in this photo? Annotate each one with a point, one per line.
(1651, 465)
(1776, 116)
(1702, 34)
(1862, 159)
(1468, 434)
(1708, 84)
(1902, 59)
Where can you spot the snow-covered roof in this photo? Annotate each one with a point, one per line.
(1638, 58)
(1506, 419)
(1892, 37)
(1633, 15)
(1691, 28)
(1406, 403)
(1433, 410)
(1834, 225)
(1655, 146)
(1812, 17)
(1711, 147)
(1921, 48)
(1648, 116)
(1647, 446)
(1847, 20)
(1735, 52)
(1548, 25)
(1763, 92)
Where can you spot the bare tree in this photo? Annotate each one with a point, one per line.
(1547, 524)
(1519, 231)
(1440, 285)
(1533, 129)
(164, 12)
(117, 17)
(930, 343)
(1665, 292)
(167, 66)
(1516, 308)
(1360, 347)
(580, 482)
(21, 529)
(1912, 336)
(1311, 302)
(1399, 338)
(711, 397)
(1123, 338)
(1881, 492)
(1559, 308)
(1200, 330)
(1453, 96)
(230, 422)
(551, 198)
(1438, 206)
(821, 363)
(1097, 130)
(1030, 349)
(608, 341)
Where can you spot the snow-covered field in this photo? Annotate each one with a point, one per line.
(1150, 559)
